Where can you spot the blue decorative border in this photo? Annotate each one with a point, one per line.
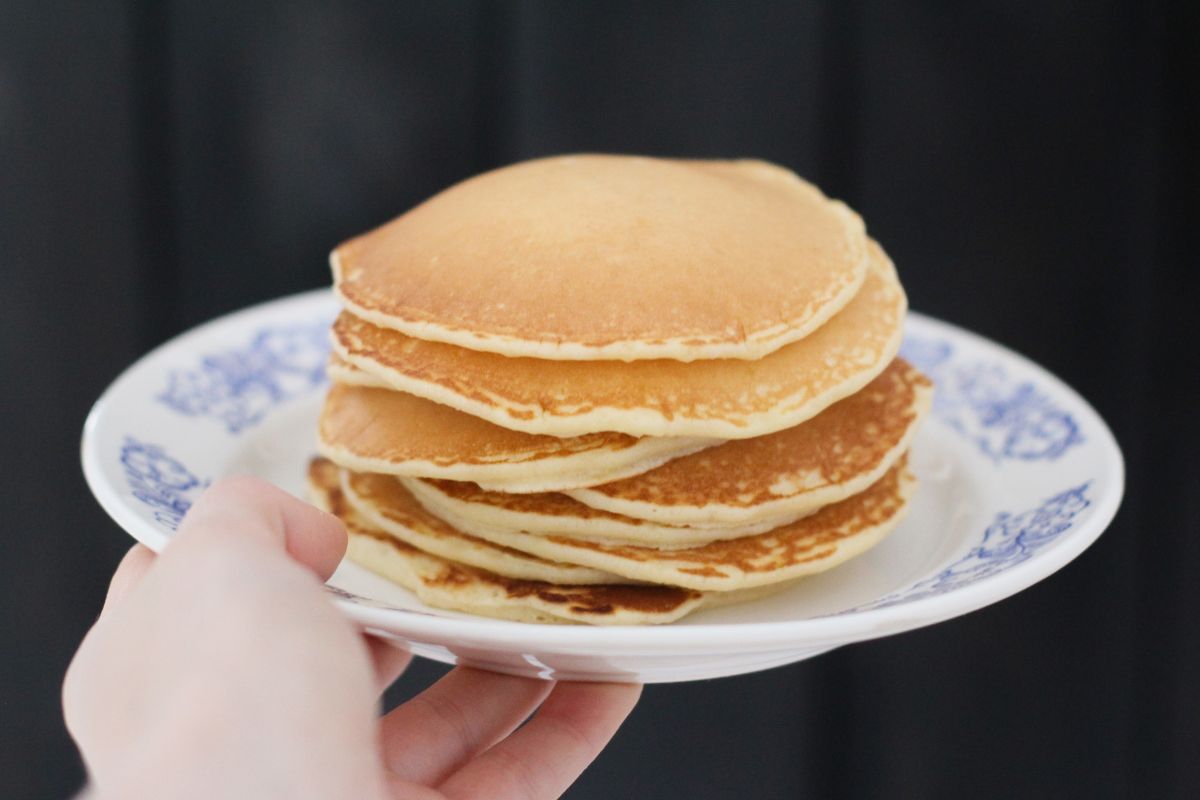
(1010, 540)
(160, 481)
(1005, 418)
(239, 387)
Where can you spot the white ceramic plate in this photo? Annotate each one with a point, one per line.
(1019, 475)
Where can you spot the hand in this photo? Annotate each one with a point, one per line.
(221, 669)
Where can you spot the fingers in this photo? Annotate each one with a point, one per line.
(389, 659)
(546, 756)
(133, 566)
(452, 721)
(250, 510)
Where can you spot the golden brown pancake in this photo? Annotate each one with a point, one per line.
(792, 472)
(611, 257)
(380, 430)
(810, 545)
(721, 399)
(443, 583)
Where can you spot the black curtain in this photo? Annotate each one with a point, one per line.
(1031, 166)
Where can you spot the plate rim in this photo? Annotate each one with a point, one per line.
(509, 636)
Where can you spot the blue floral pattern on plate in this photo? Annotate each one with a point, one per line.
(238, 387)
(1008, 541)
(160, 481)
(1005, 418)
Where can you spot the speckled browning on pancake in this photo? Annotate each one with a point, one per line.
(381, 430)
(611, 257)
(813, 544)
(845, 448)
(726, 398)
(443, 583)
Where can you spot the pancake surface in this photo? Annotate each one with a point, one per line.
(611, 257)
(792, 472)
(807, 546)
(379, 430)
(721, 399)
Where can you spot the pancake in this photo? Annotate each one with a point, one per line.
(440, 583)
(379, 430)
(477, 511)
(601, 257)
(339, 371)
(720, 399)
(443, 583)
(430, 535)
(838, 453)
(735, 489)
(816, 543)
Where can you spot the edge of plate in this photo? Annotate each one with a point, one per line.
(113, 503)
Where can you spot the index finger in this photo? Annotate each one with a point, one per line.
(542, 759)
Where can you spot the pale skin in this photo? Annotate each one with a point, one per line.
(221, 669)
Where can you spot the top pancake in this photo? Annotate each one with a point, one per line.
(595, 257)
(719, 399)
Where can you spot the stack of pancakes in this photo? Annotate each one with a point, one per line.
(612, 389)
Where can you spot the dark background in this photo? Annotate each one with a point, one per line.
(1031, 166)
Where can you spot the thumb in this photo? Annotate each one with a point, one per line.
(251, 511)
(136, 563)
